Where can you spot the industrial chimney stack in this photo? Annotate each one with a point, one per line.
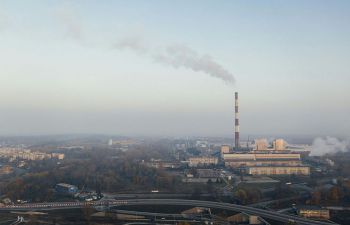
(236, 122)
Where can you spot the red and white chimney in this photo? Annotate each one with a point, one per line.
(236, 122)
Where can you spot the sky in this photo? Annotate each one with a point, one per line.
(171, 67)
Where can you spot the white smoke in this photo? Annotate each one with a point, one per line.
(178, 56)
(321, 146)
(3, 19)
(134, 43)
(183, 56)
(70, 21)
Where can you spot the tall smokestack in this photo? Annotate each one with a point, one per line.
(236, 122)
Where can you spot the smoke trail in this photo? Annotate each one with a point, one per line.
(133, 43)
(178, 56)
(71, 22)
(173, 55)
(3, 19)
(326, 145)
(183, 56)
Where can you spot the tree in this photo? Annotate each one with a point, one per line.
(87, 212)
(316, 197)
(335, 194)
(241, 194)
(210, 186)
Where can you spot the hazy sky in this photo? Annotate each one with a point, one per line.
(166, 67)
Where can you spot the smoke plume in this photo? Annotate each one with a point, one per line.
(136, 44)
(178, 56)
(183, 56)
(3, 19)
(71, 22)
(321, 146)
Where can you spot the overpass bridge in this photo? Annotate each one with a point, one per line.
(180, 202)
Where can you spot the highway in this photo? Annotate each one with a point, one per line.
(151, 195)
(148, 214)
(232, 207)
(19, 220)
(167, 216)
(209, 204)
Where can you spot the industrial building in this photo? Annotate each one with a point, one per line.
(279, 145)
(202, 161)
(224, 149)
(208, 173)
(158, 163)
(235, 160)
(278, 170)
(314, 212)
(262, 158)
(261, 144)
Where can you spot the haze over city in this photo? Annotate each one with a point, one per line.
(98, 67)
(191, 112)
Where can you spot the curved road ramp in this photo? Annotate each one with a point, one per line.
(209, 204)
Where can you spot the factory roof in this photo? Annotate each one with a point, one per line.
(278, 166)
(207, 173)
(263, 152)
(261, 159)
(271, 151)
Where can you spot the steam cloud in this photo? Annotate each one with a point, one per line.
(179, 56)
(326, 145)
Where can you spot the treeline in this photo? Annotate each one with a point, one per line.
(100, 170)
(247, 195)
(339, 193)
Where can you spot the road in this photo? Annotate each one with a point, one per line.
(218, 205)
(177, 217)
(232, 207)
(19, 220)
(168, 216)
(150, 195)
(149, 214)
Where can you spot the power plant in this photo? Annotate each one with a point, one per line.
(260, 157)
